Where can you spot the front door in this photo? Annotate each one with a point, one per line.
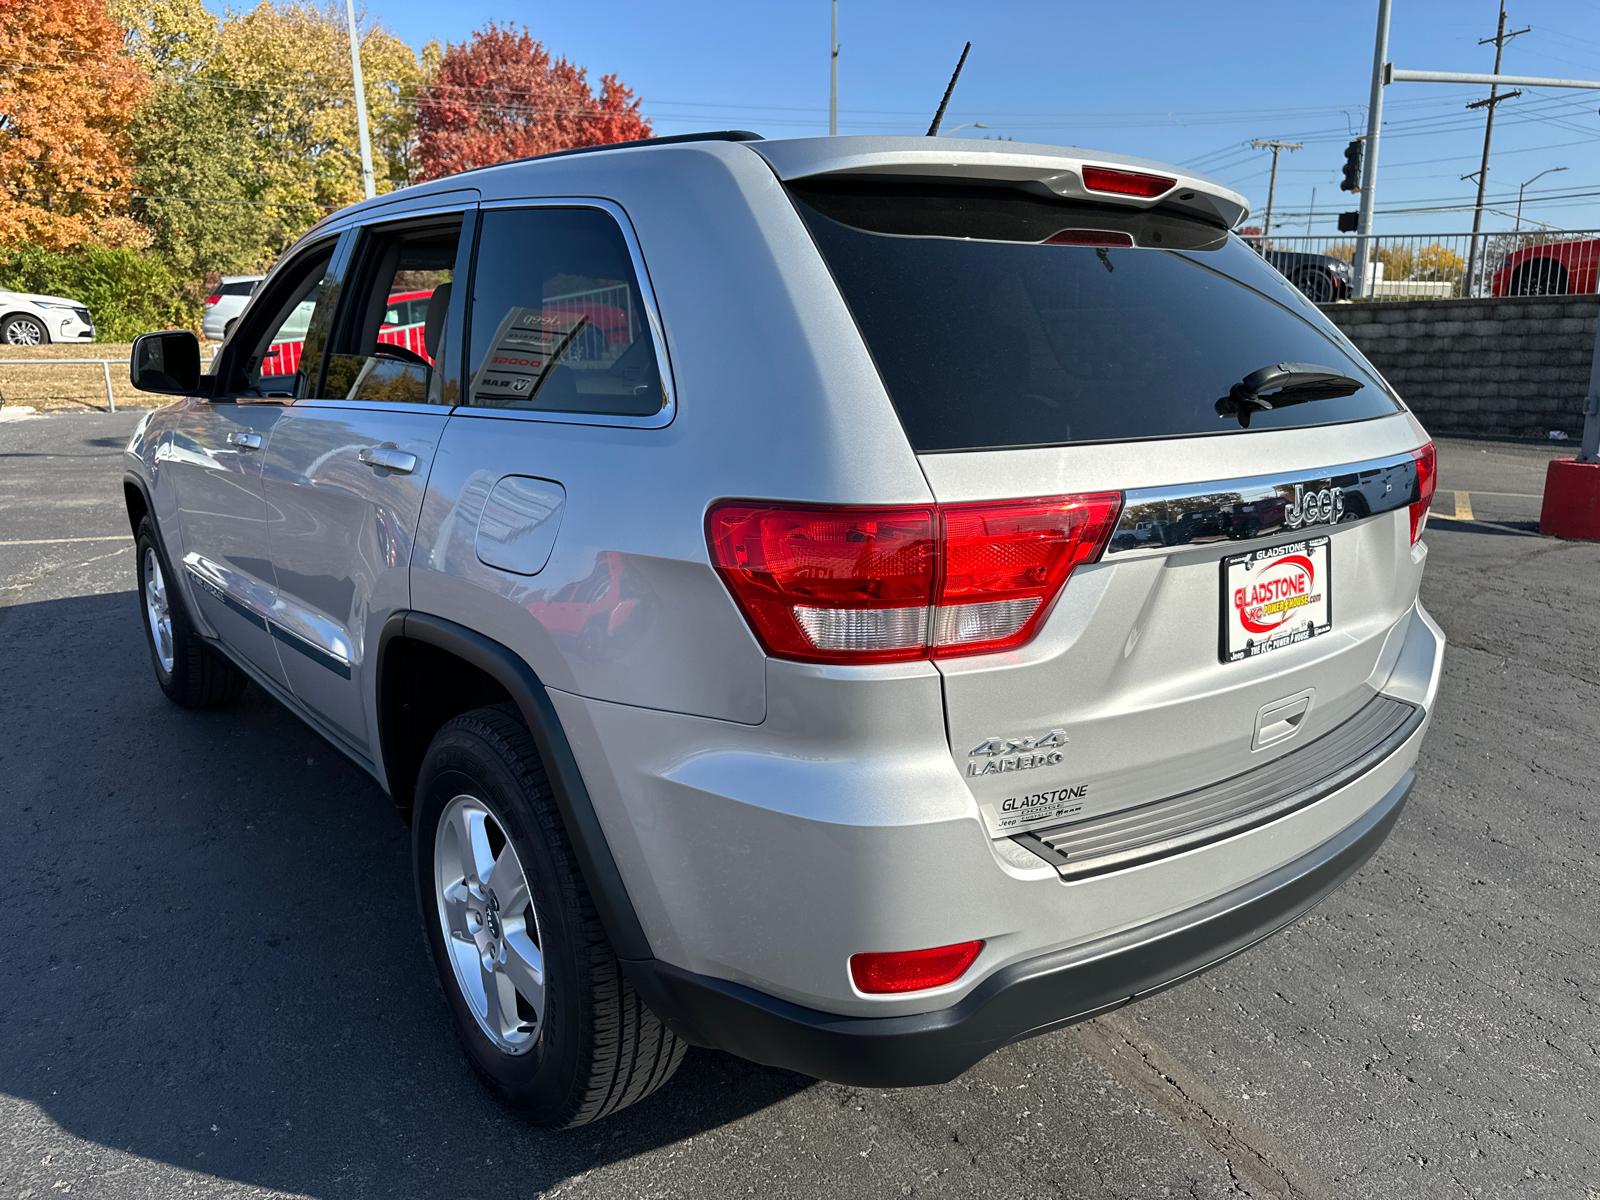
(213, 458)
(346, 470)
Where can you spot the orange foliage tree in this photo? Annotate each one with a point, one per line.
(67, 92)
(500, 95)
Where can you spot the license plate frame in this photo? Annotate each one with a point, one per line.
(1275, 582)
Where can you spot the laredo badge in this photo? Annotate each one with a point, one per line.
(995, 755)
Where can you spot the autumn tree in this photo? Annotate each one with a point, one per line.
(67, 92)
(291, 65)
(501, 95)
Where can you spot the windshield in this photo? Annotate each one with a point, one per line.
(1000, 318)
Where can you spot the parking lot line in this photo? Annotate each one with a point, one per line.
(1463, 506)
(114, 537)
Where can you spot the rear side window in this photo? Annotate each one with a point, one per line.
(558, 323)
(1001, 318)
(238, 289)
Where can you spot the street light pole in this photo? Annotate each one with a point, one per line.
(361, 102)
(833, 86)
(1369, 168)
(1540, 175)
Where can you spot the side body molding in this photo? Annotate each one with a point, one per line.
(572, 797)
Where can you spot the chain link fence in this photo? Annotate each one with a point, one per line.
(1439, 266)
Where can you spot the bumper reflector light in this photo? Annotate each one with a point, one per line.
(912, 970)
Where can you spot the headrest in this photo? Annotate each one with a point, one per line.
(433, 325)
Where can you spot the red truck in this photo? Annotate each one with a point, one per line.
(1553, 269)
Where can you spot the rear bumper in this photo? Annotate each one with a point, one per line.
(1018, 1001)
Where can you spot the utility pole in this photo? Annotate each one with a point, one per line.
(833, 88)
(1500, 38)
(1312, 215)
(1272, 187)
(361, 102)
(1369, 169)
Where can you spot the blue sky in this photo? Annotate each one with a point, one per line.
(1182, 82)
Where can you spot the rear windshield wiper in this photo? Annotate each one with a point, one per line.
(1288, 383)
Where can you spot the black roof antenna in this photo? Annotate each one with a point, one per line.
(933, 130)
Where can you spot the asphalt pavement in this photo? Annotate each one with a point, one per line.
(214, 982)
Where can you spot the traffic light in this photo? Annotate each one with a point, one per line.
(1349, 222)
(1352, 167)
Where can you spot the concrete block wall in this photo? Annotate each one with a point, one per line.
(1516, 366)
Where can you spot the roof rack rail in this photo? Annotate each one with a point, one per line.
(715, 135)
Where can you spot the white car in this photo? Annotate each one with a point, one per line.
(28, 320)
(226, 302)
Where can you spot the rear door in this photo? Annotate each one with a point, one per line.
(348, 464)
(1263, 559)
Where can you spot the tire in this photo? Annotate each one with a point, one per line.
(554, 1027)
(190, 672)
(24, 329)
(1318, 286)
(1539, 277)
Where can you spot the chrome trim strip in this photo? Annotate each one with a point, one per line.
(647, 300)
(315, 653)
(1159, 520)
(1115, 841)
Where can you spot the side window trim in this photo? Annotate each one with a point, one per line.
(226, 365)
(647, 300)
(355, 240)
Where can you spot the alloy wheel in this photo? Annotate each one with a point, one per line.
(24, 331)
(490, 926)
(157, 610)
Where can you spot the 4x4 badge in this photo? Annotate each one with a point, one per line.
(992, 756)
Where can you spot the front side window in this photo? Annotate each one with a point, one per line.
(558, 322)
(271, 355)
(391, 342)
(1000, 317)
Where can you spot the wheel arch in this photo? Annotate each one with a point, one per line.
(466, 670)
(136, 494)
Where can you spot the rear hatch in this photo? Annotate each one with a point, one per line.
(1263, 559)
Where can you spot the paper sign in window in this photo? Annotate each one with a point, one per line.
(528, 344)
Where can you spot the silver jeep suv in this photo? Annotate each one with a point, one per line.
(853, 602)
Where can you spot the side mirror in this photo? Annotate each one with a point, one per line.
(167, 362)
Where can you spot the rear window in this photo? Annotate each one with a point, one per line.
(243, 288)
(987, 334)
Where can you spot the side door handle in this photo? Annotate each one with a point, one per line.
(390, 458)
(245, 441)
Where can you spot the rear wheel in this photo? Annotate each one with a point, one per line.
(22, 329)
(542, 1007)
(190, 672)
(1539, 277)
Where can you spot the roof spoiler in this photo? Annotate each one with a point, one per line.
(966, 160)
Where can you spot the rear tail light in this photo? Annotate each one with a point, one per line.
(214, 297)
(1427, 475)
(1088, 237)
(860, 585)
(1127, 183)
(912, 970)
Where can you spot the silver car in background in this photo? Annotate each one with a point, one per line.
(226, 301)
(853, 602)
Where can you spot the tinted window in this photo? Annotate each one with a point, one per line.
(1002, 318)
(392, 340)
(558, 324)
(237, 289)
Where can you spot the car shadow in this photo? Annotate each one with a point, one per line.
(213, 952)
